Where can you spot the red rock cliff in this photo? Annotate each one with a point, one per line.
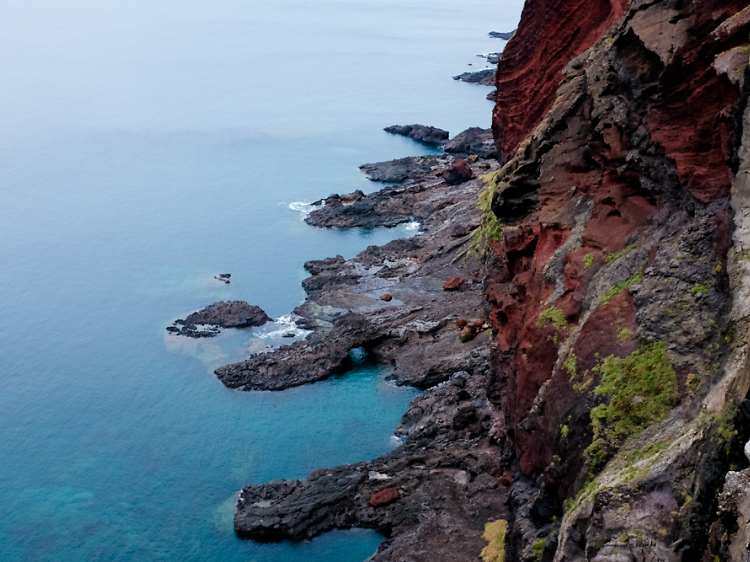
(622, 124)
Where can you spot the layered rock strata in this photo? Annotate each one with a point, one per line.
(621, 211)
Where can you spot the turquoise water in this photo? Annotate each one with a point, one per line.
(144, 147)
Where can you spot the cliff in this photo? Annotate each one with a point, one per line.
(618, 240)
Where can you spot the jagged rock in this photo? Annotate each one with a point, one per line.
(427, 135)
(389, 206)
(232, 314)
(614, 215)
(473, 141)
(434, 489)
(734, 508)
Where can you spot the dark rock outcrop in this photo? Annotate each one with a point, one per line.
(502, 35)
(483, 77)
(427, 135)
(473, 141)
(232, 314)
(412, 167)
(550, 34)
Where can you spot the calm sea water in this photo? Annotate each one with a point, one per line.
(144, 147)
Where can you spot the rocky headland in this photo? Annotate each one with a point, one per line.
(576, 310)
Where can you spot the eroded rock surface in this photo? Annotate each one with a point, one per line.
(618, 215)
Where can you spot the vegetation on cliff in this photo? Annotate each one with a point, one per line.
(641, 388)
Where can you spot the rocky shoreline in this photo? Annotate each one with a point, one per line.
(416, 304)
(416, 329)
(603, 415)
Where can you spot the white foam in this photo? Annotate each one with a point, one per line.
(413, 225)
(288, 325)
(303, 208)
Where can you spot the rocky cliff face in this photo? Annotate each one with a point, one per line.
(617, 233)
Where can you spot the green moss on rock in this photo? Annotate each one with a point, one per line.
(494, 534)
(642, 388)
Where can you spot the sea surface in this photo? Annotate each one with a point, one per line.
(146, 146)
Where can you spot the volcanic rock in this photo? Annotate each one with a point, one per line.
(454, 284)
(384, 497)
(482, 77)
(458, 172)
(233, 314)
(473, 141)
(426, 135)
(502, 35)
(412, 167)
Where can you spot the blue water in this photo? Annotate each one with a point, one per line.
(144, 147)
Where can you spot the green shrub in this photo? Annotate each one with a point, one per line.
(489, 228)
(699, 289)
(727, 429)
(588, 261)
(571, 363)
(642, 388)
(620, 288)
(554, 316)
(537, 548)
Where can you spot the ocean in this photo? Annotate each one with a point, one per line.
(144, 148)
